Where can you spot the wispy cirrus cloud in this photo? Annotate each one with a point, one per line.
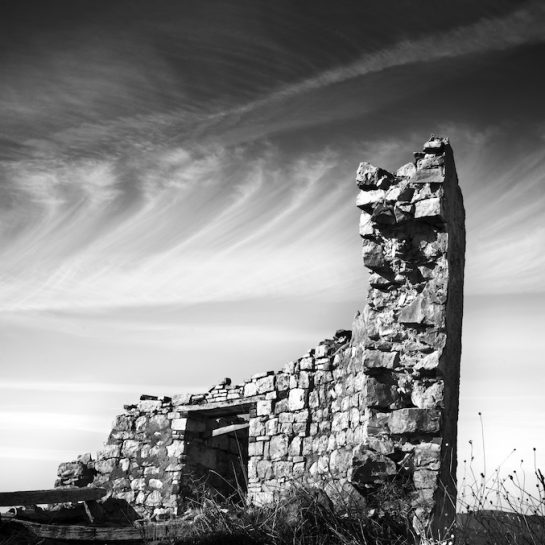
(188, 227)
(522, 26)
(29, 420)
(191, 226)
(80, 387)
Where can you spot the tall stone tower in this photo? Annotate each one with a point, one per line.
(412, 225)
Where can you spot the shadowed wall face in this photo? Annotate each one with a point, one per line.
(412, 225)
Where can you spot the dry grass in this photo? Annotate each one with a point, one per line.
(304, 516)
(495, 509)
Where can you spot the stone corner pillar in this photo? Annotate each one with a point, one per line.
(412, 226)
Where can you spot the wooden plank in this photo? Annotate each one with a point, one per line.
(73, 515)
(145, 532)
(84, 533)
(230, 429)
(221, 408)
(54, 495)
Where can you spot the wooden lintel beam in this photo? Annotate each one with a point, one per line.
(229, 429)
(54, 495)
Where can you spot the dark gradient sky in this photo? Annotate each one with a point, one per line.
(177, 197)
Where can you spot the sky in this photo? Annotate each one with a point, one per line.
(177, 199)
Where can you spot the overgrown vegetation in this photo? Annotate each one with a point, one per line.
(501, 509)
(495, 508)
(304, 516)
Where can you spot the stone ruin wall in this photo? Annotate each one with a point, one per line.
(376, 403)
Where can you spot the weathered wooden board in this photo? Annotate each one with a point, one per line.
(229, 429)
(145, 532)
(221, 408)
(83, 533)
(54, 495)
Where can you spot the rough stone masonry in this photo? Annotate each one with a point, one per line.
(375, 405)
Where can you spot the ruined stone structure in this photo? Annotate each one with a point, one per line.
(376, 403)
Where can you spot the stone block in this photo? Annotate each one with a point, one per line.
(378, 422)
(423, 310)
(427, 395)
(313, 400)
(297, 399)
(149, 405)
(374, 359)
(428, 176)
(406, 171)
(323, 464)
(355, 417)
(379, 394)
(429, 362)
(414, 421)
(255, 448)
(181, 399)
(340, 461)
(278, 447)
(109, 451)
(285, 418)
(140, 424)
(299, 428)
(367, 200)
(264, 407)
(105, 466)
(427, 455)
(295, 447)
(430, 161)
(155, 484)
(176, 449)
(158, 422)
(265, 384)
(250, 389)
(282, 469)
(430, 209)
(122, 423)
(257, 427)
(369, 176)
(125, 496)
(153, 499)
(382, 445)
(271, 426)
(304, 379)
(340, 421)
(179, 424)
(138, 484)
(252, 468)
(130, 448)
(282, 382)
(264, 470)
(425, 478)
(373, 255)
